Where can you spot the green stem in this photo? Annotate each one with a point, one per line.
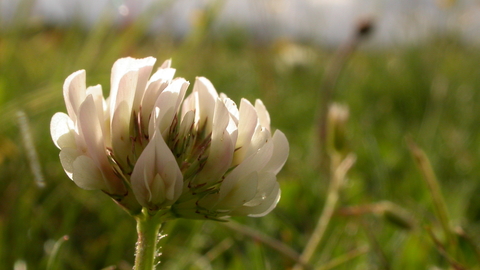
(148, 228)
(338, 178)
(439, 204)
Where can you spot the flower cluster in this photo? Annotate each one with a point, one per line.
(147, 145)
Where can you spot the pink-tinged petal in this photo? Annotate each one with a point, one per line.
(157, 190)
(141, 68)
(233, 132)
(164, 121)
(153, 123)
(143, 175)
(183, 89)
(267, 205)
(124, 93)
(221, 150)
(266, 184)
(74, 92)
(263, 116)
(95, 91)
(281, 149)
(186, 124)
(168, 104)
(154, 88)
(120, 133)
(165, 106)
(166, 64)
(144, 70)
(67, 157)
(232, 127)
(156, 163)
(91, 131)
(86, 174)
(246, 127)
(251, 164)
(62, 130)
(232, 108)
(189, 104)
(243, 191)
(164, 73)
(171, 184)
(259, 138)
(169, 170)
(100, 105)
(205, 107)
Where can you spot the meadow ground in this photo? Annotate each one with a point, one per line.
(428, 92)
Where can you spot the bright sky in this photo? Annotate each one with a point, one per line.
(326, 21)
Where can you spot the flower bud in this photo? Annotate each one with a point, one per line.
(337, 128)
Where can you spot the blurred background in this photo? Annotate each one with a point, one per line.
(403, 68)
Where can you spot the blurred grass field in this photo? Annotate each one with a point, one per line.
(429, 91)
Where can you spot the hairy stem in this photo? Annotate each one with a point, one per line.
(146, 252)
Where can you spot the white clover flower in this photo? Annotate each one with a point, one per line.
(197, 157)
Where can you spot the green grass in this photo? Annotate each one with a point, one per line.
(427, 91)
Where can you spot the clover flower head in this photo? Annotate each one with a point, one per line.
(147, 145)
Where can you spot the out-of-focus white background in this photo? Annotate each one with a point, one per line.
(322, 21)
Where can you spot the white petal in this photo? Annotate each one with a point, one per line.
(74, 92)
(186, 124)
(91, 131)
(262, 209)
(231, 106)
(205, 87)
(266, 184)
(168, 103)
(156, 163)
(166, 64)
(143, 175)
(247, 121)
(67, 157)
(253, 163)
(149, 98)
(189, 104)
(141, 69)
(86, 174)
(183, 89)
(124, 92)
(95, 91)
(205, 107)
(246, 127)
(89, 127)
(243, 191)
(145, 68)
(163, 73)
(221, 150)
(280, 152)
(157, 189)
(234, 114)
(168, 168)
(153, 122)
(268, 204)
(259, 138)
(263, 116)
(62, 131)
(120, 133)
(170, 179)
(100, 105)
